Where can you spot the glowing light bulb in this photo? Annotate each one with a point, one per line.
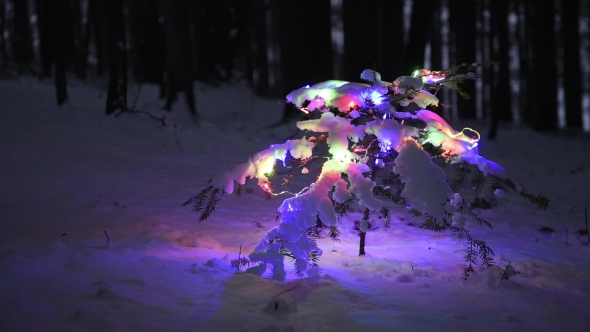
(307, 86)
(351, 104)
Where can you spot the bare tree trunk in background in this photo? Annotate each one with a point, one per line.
(500, 94)
(46, 36)
(57, 9)
(570, 36)
(245, 11)
(486, 49)
(584, 29)
(117, 46)
(391, 26)
(3, 48)
(529, 111)
(462, 22)
(258, 49)
(179, 64)
(22, 40)
(544, 76)
(516, 85)
(435, 40)
(148, 48)
(78, 52)
(298, 67)
(212, 22)
(420, 27)
(98, 19)
(360, 38)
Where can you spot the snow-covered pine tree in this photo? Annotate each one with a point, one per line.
(365, 137)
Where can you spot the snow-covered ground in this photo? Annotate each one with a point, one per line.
(68, 174)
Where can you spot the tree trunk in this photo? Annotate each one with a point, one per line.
(298, 68)
(212, 26)
(391, 38)
(22, 41)
(572, 83)
(3, 47)
(420, 29)
(57, 9)
(585, 62)
(179, 57)
(79, 49)
(435, 40)
(245, 37)
(360, 38)
(500, 93)
(117, 47)
(147, 51)
(462, 22)
(544, 76)
(46, 36)
(97, 18)
(258, 48)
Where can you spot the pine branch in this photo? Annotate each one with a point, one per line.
(315, 231)
(205, 202)
(335, 233)
(478, 180)
(431, 224)
(540, 201)
(509, 271)
(477, 251)
(465, 207)
(386, 192)
(415, 212)
(240, 261)
(462, 172)
(385, 213)
(342, 208)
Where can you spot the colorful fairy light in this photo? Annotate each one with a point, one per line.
(429, 76)
(474, 141)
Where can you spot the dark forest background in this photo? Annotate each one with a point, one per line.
(542, 49)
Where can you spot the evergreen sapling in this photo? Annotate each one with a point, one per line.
(378, 157)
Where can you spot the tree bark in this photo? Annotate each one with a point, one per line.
(147, 51)
(544, 76)
(360, 38)
(211, 25)
(391, 38)
(258, 48)
(57, 9)
(117, 47)
(500, 93)
(462, 21)
(179, 57)
(435, 40)
(22, 41)
(298, 67)
(97, 18)
(420, 29)
(3, 48)
(572, 80)
(46, 36)
(245, 38)
(78, 46)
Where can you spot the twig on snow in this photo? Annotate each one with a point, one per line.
(109, 242)
(176, 139)
(586, 220)
(288, 290)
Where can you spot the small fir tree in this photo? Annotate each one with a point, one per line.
(366, 139)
